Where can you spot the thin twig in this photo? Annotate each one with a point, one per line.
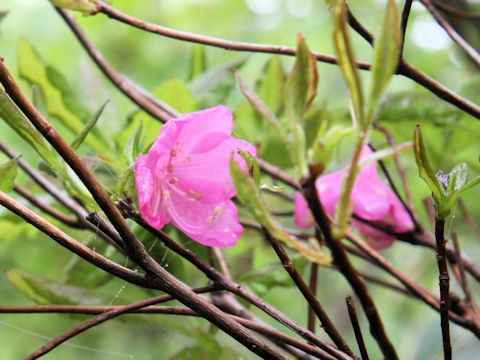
(312, 300)
(46, 208)
(153, 106)
(463, 277)
(472, 223)
(313, 289)
(350, 273)
(457, 12)
(170, 310)
(452, 33)
(105, 316)
(404, 22)
(401, 172)
(444, 284)
(404, 68)
(352, 313)
(235, 288)
(158, 275)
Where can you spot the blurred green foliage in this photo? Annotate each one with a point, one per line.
(39, 48)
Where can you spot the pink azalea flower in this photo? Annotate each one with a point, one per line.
(372, 200)
(185, 177)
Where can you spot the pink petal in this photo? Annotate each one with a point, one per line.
(197, 125)
(209, 224)
(329, 189)
(376, 238)
(303, 216)
(149, 192)
(212, 164)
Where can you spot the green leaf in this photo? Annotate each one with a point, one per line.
(302, 83)
(8, 173)
(207, 347)
(81, 273)
(252, 165)
(271, 86)
(87, 7)
(151, 129)
(135, 144)
(21, 125)
(215, 86)
(425, 169)
(346, 60)
(45, 291)
(38, 100)
(249, 194)
(60, 98)
(176, 94)
(198, 61)
(86, 130)
(387, 54)
(260, 106)
(126, 184)
(262, 280)
(324, 145)
(299, 150)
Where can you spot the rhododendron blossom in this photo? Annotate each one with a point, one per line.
(372, 200)
(185, 177)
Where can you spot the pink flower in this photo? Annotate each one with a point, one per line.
(185, 177)
(372, 200)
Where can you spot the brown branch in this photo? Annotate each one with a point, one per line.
(457, 12)
(50, 210)
(444, 284)
(149, 104)
(312, 300)
(157, 274)
(452, 33)
(407, 6)
(170, 310)
(404, 68)
(71, 244)
(401, 172)
(313, 289)
(348, 271)
(352, 313)
(105, 316)
(463, 276)
(472, 223)
(235, 288)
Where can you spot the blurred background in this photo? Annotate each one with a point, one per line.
(151, 61)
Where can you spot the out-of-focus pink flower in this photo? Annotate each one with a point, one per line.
(372, 200)
(185, 177)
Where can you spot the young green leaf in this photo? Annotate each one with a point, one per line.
(271, 86)
(8, 173)
(198, 61)
(86, 130)
(346, 60)
(60, 99)
(135, 144)
(425, 169)
(259, 105)
(38, 100)
(249, 194)
(387, 54)
(252, 165)
(20, 124)
(176, 94)
(302, 83)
